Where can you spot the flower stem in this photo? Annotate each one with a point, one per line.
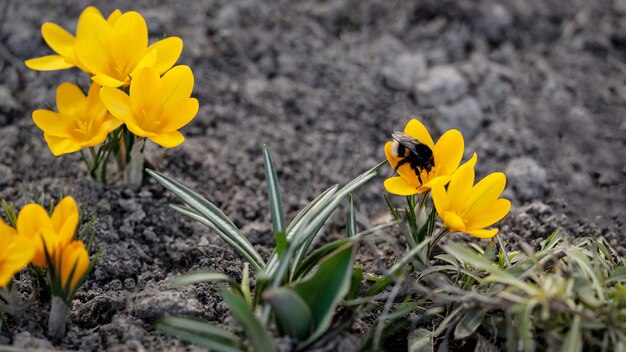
(436, 239)
(58, 316)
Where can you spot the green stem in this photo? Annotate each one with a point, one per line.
(436, 239)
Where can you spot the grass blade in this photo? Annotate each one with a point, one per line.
(200, 333)
(258, 336)
(293, 313)
(273, 192)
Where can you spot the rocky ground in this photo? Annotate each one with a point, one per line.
(538, 89)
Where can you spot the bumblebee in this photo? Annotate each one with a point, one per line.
(418, 155)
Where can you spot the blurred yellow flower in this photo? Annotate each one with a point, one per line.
(34, 223)
(157, 106)
(470, 208)
(73, 257)
(15, 253)
(62, 42)
(81, 121)
(447, 155)
(114, 51)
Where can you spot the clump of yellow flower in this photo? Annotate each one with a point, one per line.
(110, 50)
(82, 121)
(469, 208)
(447, 153)
(15, 253)
(157, 106)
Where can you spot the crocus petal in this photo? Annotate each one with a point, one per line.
(61, 145)
(177, 85)
(48, 63)
(58, 39)
(168, 51)
(130, 35)
(114, 16)
(53, 123)
(169, 139)
(32, 219)
(146, 92)
(439, 198)
(137, 130)
(96, 110)
(398, 185)
(453, 221)
(19, 254)
(65, 219)
(460, 188)
(443, 180)
(117, 102)
(70, 99)
(418, 131)
(482, 233)
(487, 190)
(74, 262)
(178, 115)
(448, 152)
(405, 169)
(93, 38)
(481, 217)
(107, 81)
(147, 61)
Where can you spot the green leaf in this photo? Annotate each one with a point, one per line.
(314, 258)
(233, 241)
(324, 289)
(350, 217)
(203, 276)
(574, 340)
(200, 333)
(293, 313)
(258, 336)
(421, 340)
(619, 275)
(281, 242)
(273, 192)
(392, 208)
(583, 262)
(469, 323)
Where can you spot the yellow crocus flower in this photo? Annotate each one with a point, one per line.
(34, 224)
(73, 255)
(114, 52)
(447, 153)
(62, 43)
(157, 106)
(469, 208)
(15, 253)
(81, 121)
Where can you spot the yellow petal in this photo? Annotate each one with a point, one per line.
(418, 131)
(107, 81)
(177, 85)
(114, 16)
(62, 145)
(74, 263)
(487, 215)
(146, 92)
(53, 123)
(137, 130)
(70, 99)
(448, 152)
(58, 39)
(482, 233)
(65, 219)
(178, 115)
(168, 51)
(93, 42)
(453, 222)
(117, 102)
(488, 189)
(439, 198)
(129, 39)
(147, 61)
(400, 186)
(6, 233)
(95, 109)
(460, 188)
(48, 63)
(91, 9)
(19, 253)
(443, 180)
(405, 169)
(169, 139)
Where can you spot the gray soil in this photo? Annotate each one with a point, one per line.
(538, 88)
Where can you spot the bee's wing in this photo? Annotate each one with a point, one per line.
(407, 141)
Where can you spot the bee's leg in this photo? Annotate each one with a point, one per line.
(400, 163)
(419, 176)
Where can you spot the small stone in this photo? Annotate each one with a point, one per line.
(26, 341)
(7, 102)
(527, 179)
(6, 175)
(405, 71)
(443, 85)
(464, 115)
